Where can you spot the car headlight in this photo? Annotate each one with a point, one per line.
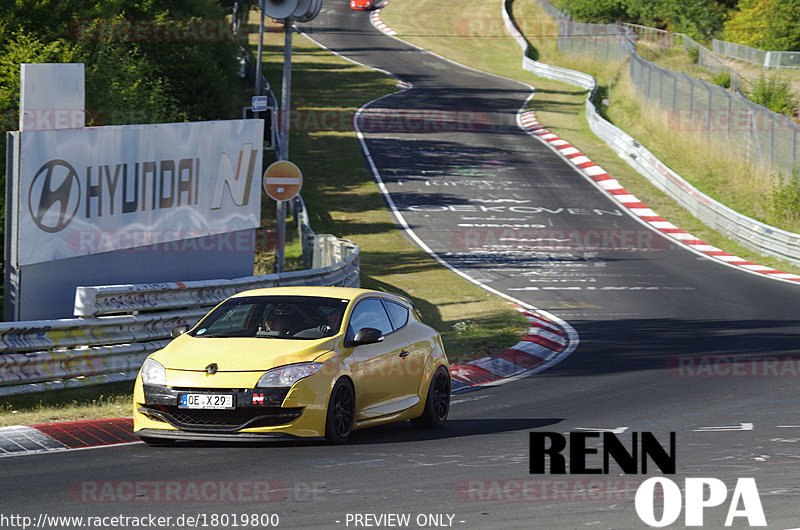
(153, 373)
(289, 374)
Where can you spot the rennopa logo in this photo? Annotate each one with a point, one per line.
(56, 182)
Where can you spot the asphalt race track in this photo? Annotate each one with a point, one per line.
(648, 314)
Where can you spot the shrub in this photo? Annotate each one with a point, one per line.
(777, 95)
(722, 79)
(784, 198)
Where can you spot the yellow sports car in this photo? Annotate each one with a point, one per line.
(294, 361)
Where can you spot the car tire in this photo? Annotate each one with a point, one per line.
(156, 442)
(341, 412)
(437, 404)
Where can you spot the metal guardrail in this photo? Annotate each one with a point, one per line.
(304, 232)
(102, 345)
(742, 229)
(329, 250)
(51, 354)
(109, 299)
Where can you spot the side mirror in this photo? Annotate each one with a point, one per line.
(367, 336)
(177, 331)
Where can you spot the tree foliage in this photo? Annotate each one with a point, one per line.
(775, 94)
(765, 24)
(697, 18)
(129, 78)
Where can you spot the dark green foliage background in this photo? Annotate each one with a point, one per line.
(700, 19)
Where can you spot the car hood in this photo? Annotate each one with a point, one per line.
(239, 354)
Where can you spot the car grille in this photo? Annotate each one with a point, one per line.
(222, 420)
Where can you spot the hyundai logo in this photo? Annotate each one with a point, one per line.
(55, 182)
(212, 368)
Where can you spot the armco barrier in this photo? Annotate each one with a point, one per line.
(304, 232)
(50, 354)
(108, 299)
(742, 229)
(102, 347)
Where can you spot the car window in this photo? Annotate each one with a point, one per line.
(369, 313)
(282, 317)
(397, 313)
(232, 321)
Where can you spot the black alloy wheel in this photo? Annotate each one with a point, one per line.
(341, 412)
(437, 405)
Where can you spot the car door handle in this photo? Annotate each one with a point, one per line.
(404, 354)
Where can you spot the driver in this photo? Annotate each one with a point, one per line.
(282, 318)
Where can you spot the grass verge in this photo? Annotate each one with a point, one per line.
(342, 199)
(103, 401)
(476, 37)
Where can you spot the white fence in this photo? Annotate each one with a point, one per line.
(762, 58)
(742, 229)
(100, 346)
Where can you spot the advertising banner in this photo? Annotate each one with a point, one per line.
(104, 189)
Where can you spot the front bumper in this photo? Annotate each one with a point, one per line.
(253, 408)
(298, 411)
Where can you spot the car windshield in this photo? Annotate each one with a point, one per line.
(276, 317)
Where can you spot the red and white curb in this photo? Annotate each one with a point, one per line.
(545, 344)
(375, 17)
(26, 439)
(527, 120)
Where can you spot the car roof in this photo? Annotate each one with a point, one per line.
(344, 293)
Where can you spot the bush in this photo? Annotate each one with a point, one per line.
(777, 95)
(722, 79)
(784, 198)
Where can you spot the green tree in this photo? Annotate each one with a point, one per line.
(24, 48)
(765, 24)
(699, 19)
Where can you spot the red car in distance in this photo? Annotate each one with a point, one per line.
(362, 4)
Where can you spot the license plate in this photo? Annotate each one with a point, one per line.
(206, 401)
